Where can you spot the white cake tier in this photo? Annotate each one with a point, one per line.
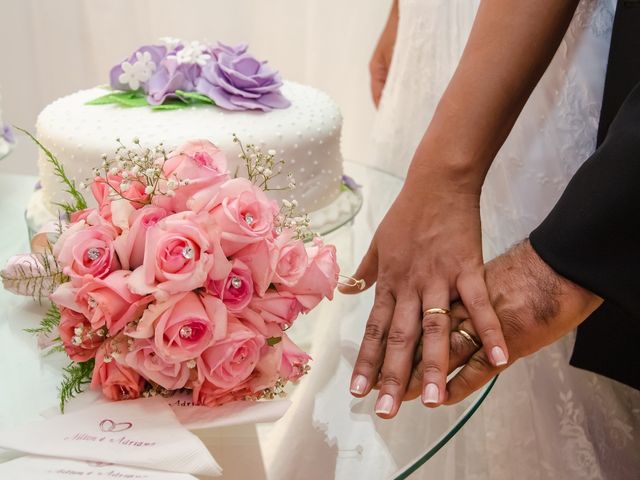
(306, 135)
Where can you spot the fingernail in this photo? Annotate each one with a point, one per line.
(499, 358)
(431, 393)
(358, 384)
(385, 404)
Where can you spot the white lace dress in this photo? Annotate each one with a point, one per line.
(544, 419)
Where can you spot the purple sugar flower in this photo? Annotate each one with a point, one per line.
(169, 77)
(229, 49)
(157, 53)
(235, 80)
(7, 134)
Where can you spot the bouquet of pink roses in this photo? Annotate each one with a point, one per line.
(182, 277)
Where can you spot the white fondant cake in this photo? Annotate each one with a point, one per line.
(305, 135)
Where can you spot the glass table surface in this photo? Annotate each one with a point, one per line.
(326, 433)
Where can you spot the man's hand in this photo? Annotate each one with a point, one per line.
(536, 307)
(381, 58)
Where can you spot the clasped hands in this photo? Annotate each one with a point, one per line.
(430, 258)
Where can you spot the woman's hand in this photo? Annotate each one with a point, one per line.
(381, 58)
(425, 253)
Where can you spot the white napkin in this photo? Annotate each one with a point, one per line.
(47, 468)
(236, 413)
(140, 433)
(191, 416)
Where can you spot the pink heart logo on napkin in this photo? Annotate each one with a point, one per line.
(108, 425)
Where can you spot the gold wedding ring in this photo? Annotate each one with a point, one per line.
(360, 284)
(436, 311)
(468, 336)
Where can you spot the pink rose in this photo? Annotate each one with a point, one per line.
(105, 302)
(79, 338)
(294, 360)
(177, 257)
(143, 358)
(230, 361)
(183, 326)
(261, 258)
(319, 279)
(130, 245)
(106, 190)
(200, 163)
(75, 217)
(87, 250)
(236, 290)
(292, 259)
(281, 308)
(209, 395)
(242, 214)
(118, 381)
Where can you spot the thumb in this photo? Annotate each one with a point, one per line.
(367, 272)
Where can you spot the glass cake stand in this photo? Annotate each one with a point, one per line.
(326, 433)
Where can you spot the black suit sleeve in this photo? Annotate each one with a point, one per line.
(592, 237)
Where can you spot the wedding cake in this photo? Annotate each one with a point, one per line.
(170, 93)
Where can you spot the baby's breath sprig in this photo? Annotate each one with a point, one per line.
(290, 218)
(138, 166)
(262, 167)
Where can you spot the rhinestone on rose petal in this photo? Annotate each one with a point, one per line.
(191, 363)
(185, 332)
(187, 252)
(236, 282)
(78, 330)
(102, 332)
(91, 302)
(76, 340)
(93, 253)
(249, 219)
(107, 359)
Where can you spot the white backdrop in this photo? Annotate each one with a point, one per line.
(54, 47)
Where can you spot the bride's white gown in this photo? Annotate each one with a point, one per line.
(544, 419)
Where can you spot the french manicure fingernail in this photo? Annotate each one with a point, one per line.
(359, 384)
(499, 358)
(384, 404)
(431, 393)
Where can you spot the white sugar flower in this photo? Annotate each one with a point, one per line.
(140, 71)
(170, 42)
(271, 152)
(124, 186)
(193, 53)
(148, 189)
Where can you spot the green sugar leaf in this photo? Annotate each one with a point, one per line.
(194, 97)
(272, 341)
(130, 98)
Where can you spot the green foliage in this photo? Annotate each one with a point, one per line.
(79, 203)
(130, 98)
(137, 98)
(76, 376)
(50, 321)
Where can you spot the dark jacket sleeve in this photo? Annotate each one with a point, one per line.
(592, 237)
